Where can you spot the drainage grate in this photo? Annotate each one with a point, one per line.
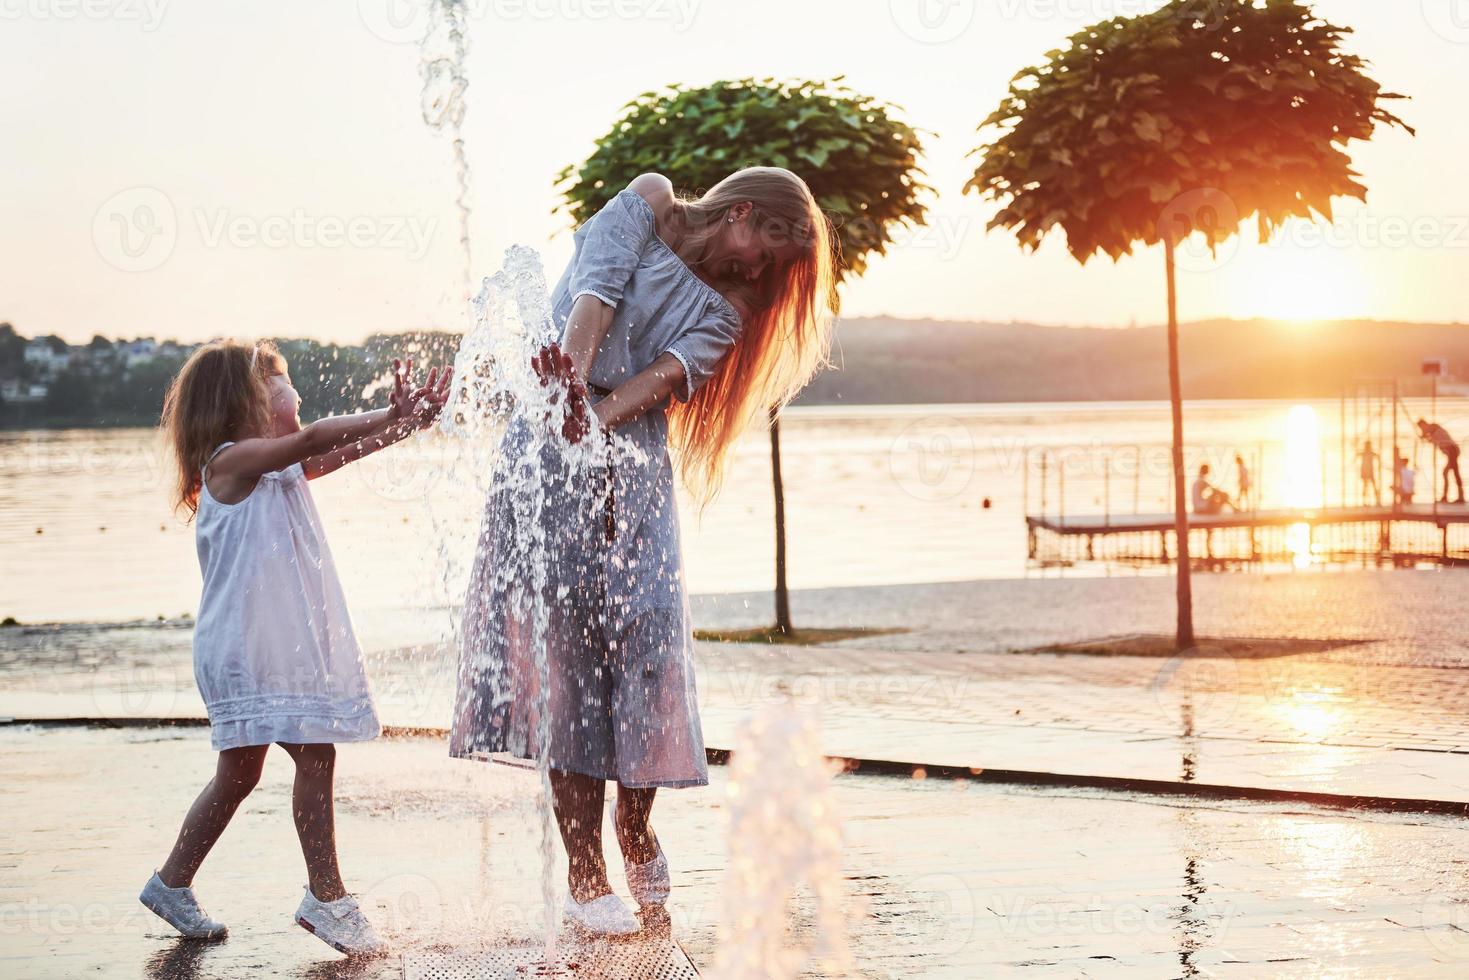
(657, 960)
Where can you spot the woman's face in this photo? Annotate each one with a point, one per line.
(743, 253)
(285, 405)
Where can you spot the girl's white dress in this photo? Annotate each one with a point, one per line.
(274, 653)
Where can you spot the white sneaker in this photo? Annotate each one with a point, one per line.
(180, 909)
(650, 883)
(340, 924)
(605, 916)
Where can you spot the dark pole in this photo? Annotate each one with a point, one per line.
(1185, 639)
(782, 594)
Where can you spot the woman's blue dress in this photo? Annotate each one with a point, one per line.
(619, 643)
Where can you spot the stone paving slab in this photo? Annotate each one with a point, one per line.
(941, 879)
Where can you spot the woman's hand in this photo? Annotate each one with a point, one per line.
(556, 369)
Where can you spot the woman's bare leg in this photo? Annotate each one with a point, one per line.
(634, 834)
(578, 803)
(312, 806)
(235, 775)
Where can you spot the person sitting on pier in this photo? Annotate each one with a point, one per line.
(1209, 499)
(1404, 479)
(1439, 436)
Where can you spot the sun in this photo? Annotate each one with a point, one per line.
(1301, 278)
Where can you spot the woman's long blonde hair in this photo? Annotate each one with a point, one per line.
(220, 393)
(787, 335)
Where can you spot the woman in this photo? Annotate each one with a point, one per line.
(652, 336)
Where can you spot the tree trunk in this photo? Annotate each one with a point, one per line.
(782, 595)
(1185, 636)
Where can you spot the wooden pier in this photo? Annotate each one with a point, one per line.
(1407, 534)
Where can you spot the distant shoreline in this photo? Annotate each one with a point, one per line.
(801, 409)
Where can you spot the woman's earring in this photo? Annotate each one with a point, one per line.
(730, 219)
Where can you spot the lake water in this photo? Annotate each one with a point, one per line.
(875, 495)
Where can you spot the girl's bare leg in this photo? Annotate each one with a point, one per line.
(634, 835)
(578, 804)
(235, 775)
(312, 806)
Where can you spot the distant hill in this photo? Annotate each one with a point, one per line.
(890, 361)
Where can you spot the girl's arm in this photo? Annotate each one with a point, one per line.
(250, 459)
(383, 435)
(246, 461)
(636, 395)
(586, 327)
(418, 409)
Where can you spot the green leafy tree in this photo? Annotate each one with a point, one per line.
(1146, 130)
(12, 352)
(859, 159)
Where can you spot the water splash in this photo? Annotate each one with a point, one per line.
(784, 839)
(505, 425)
(443, 53)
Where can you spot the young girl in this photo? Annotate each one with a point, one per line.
(274, 653)
(682, 321)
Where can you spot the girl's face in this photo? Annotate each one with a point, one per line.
(743, 252)
(285, 405)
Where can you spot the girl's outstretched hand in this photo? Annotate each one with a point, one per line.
(418, 407)
(429, 401)
(556, 369)
(400, 399)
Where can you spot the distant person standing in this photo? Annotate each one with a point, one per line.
(1245, 489)
(1404, 477)
(1444, 443)
(1207, 498)
(1369, 460)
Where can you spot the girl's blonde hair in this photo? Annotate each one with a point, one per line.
(785, 338)
(220, 393)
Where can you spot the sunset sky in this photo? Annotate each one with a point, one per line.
(280, 150)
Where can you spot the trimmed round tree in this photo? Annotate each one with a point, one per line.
(859, 159)
(1145, 130)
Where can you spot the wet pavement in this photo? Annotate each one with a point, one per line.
(1382, 716)
(940, 878)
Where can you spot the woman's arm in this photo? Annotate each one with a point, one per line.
(636, 395)
(586, 327)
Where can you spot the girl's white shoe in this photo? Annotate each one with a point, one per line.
(650, 883)
(605, 916)
(180, 909)
(340, 924)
